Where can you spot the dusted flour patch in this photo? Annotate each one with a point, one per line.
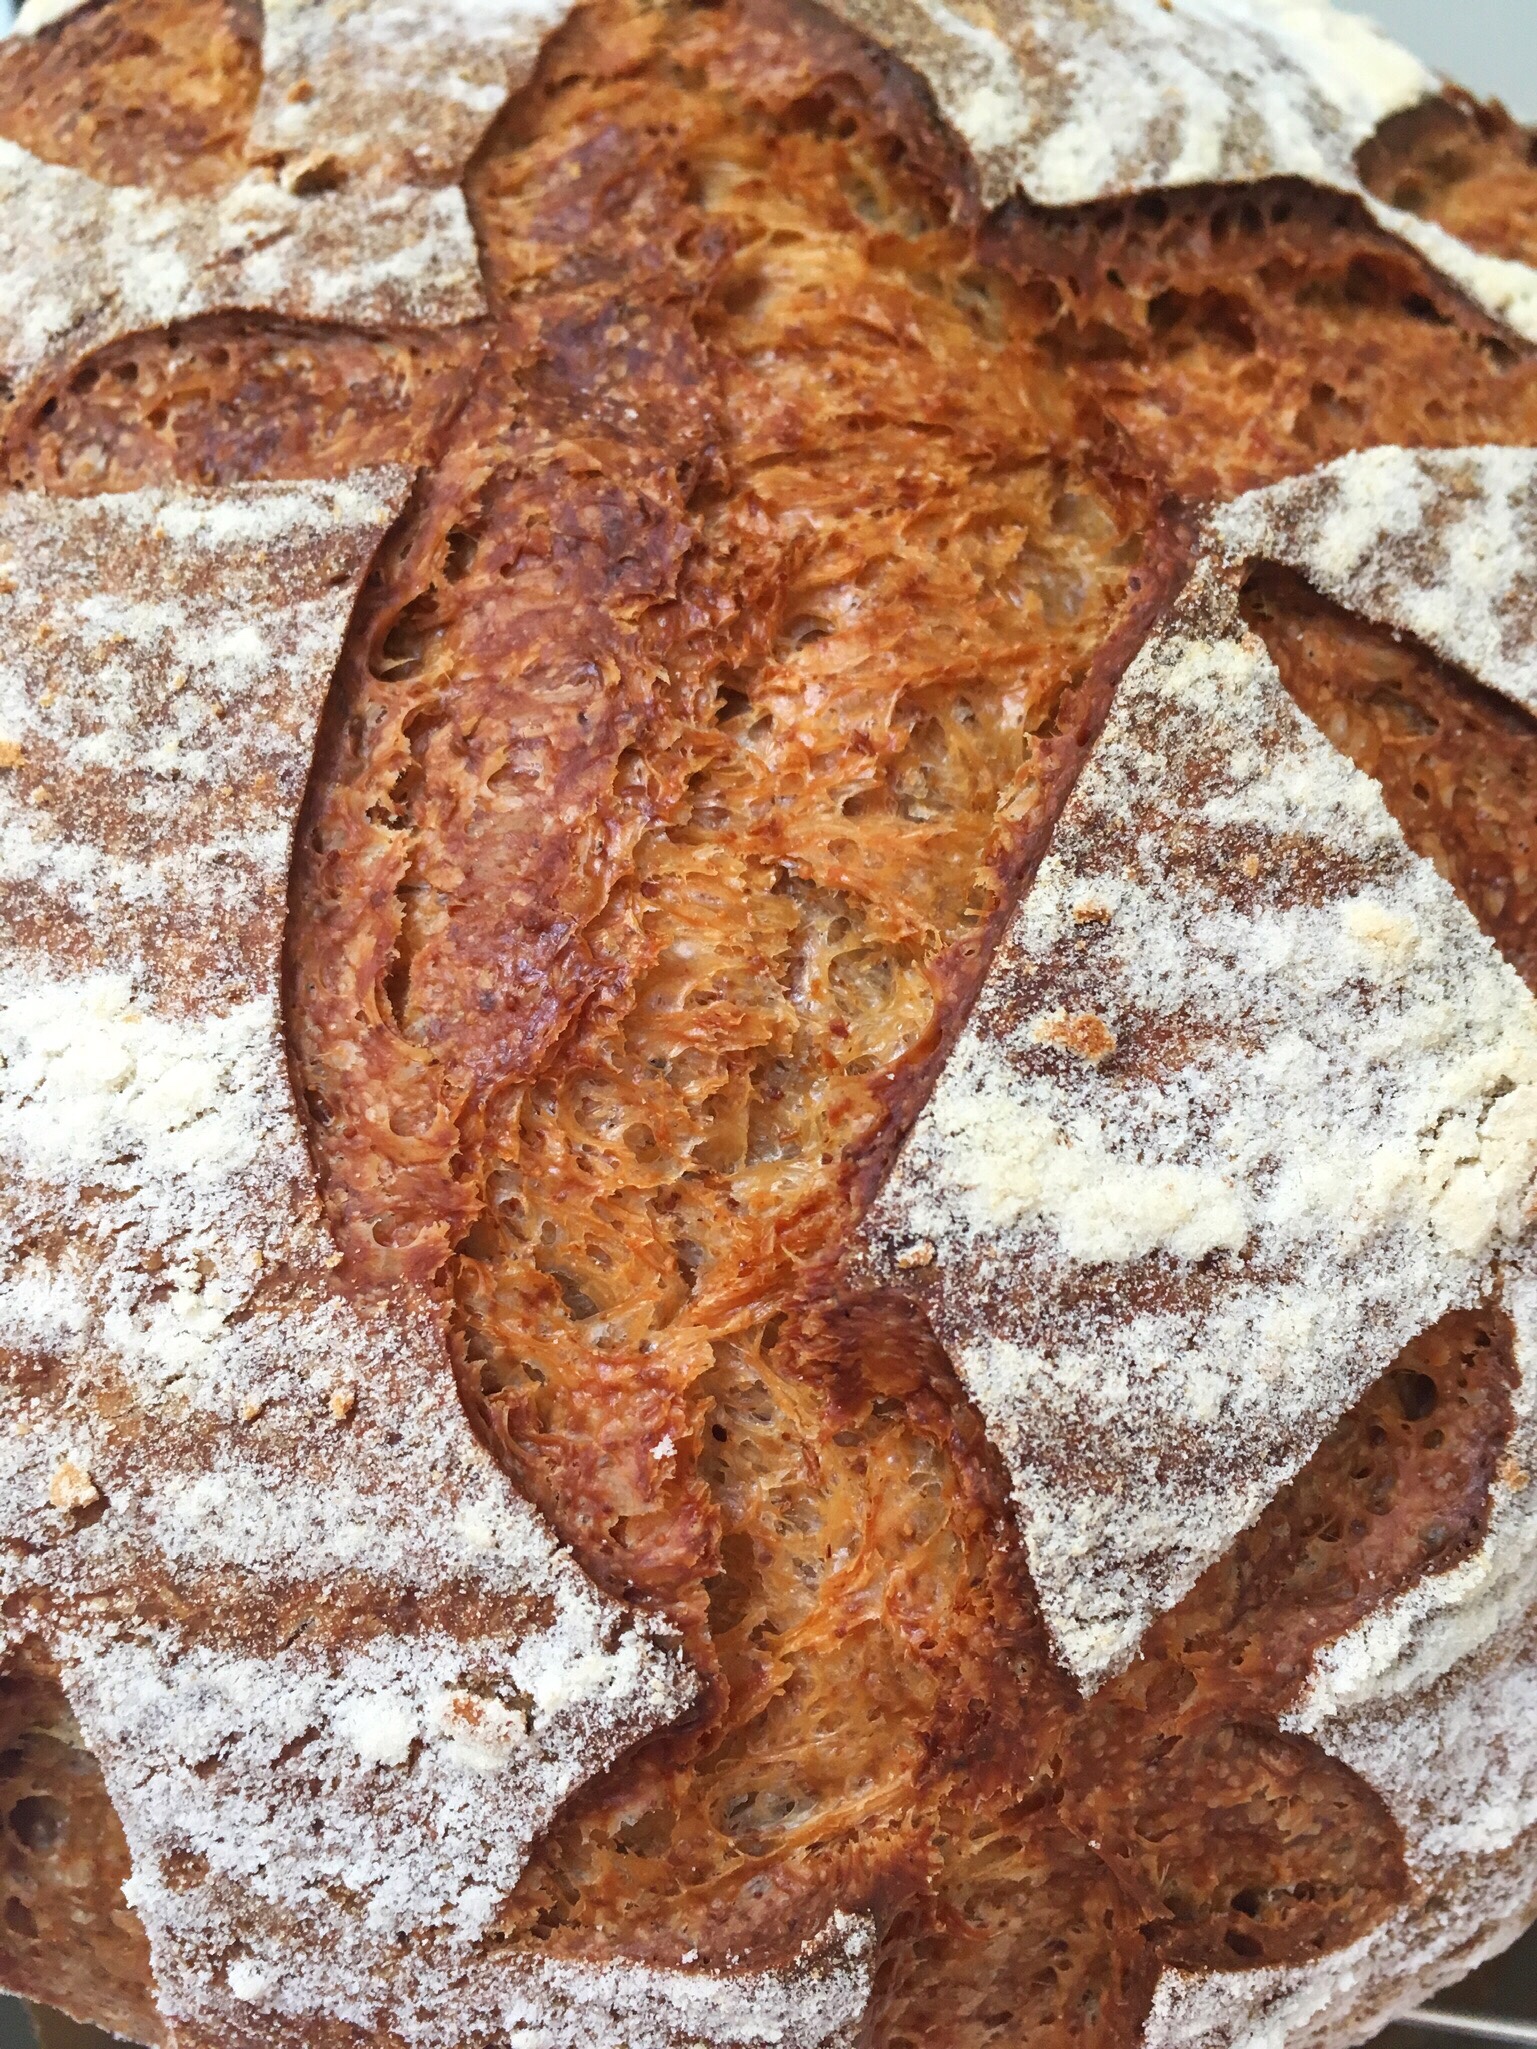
(368, 113)
(1069, 101)
(166, 655)
(1440, 543)
(400, 90)
(1164, 1273)
(1203, 91)
(819, 2001)
(331, 1665)
(141, 260)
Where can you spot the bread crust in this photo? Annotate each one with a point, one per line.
(783, 531)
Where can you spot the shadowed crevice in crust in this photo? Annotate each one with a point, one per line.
(66, 1935)
(1456, 762)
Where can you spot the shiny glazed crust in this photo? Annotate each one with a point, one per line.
(780, 538)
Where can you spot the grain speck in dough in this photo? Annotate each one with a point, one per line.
(72, 1487)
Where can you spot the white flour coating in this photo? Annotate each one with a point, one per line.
(217, 1750)
(534, 2002)
(1478, 1724)
(1164, 1274)
(394, 88)
(366, 117)
(240, 1758)
(1441, 544)
(1220, 91)
(1070, 101)
(141, 260)
(239, 1790)
(35, 14)
(195, 700)
(219, 1476)
(817, 2005)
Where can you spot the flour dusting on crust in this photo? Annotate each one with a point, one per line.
(366, 118)
(401, 90)
(1433, 1703)
(85, 262)
(1075, 100)
(338, 1675)
(1212, 1148)
(1170, 1252)
(1439, 543)
(1069, 101)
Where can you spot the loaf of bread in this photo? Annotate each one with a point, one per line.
(768, 1077)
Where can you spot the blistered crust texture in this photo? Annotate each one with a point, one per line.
(783, 528)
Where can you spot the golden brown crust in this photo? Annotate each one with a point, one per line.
(66, 1934)
(1237, 337)
(639, 1191)
(783, 536)
(139, 92)
(636, 557)
(782, 783)
(231, 397)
